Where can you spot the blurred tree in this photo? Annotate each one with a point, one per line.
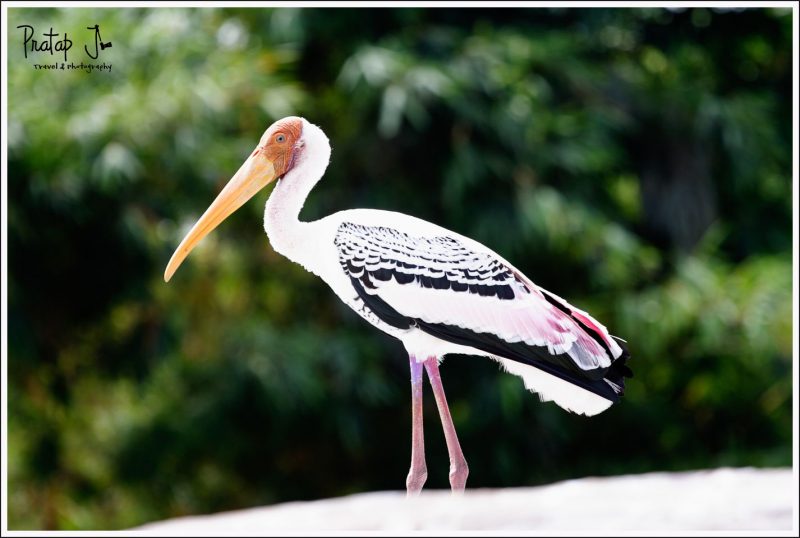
(635, 161)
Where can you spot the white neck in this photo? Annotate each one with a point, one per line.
(287, 234)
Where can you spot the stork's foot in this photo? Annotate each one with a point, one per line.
(459, 471)
(416, 479)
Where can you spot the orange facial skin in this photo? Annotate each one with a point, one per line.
(279, 143)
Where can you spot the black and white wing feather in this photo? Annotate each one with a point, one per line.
(474, 298)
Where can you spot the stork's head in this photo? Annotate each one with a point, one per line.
(280, 149)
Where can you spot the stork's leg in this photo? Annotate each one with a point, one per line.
(458, 465)
(418, 472)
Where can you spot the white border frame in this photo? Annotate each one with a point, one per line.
(4, 234)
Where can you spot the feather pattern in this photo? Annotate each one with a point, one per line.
(440, 280)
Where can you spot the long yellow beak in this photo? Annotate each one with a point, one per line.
(256, 173)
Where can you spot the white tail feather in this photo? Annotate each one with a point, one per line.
(552, 388)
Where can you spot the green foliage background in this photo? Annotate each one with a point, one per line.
(636, 162)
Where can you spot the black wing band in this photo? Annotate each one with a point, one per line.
(538, 357)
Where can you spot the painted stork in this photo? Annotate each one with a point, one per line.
(435, 290)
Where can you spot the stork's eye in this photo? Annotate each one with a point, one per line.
(280, 138)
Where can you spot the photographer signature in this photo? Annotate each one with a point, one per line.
(59, 44)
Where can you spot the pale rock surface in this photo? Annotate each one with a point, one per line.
(722, 499)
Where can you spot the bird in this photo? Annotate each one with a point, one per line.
(435, 290)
